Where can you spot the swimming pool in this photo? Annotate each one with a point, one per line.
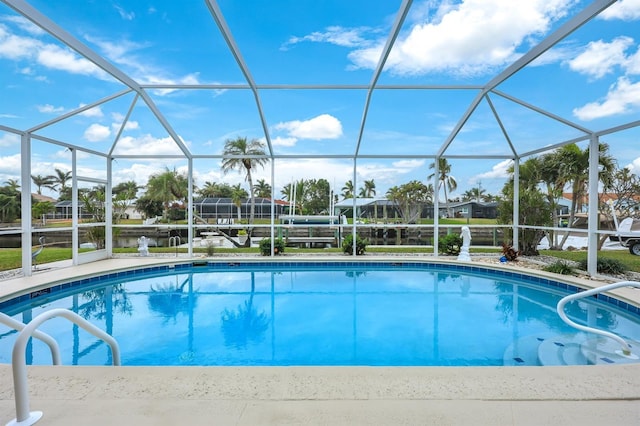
(318, 313)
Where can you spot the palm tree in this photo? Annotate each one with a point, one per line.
(287, 192)
(166, 187)
(476, 194)
(12, 185)
(534, 209)
(262, 189)
(550, 165)
(368, 190)
(128, 189)
(209, 190)
(296, 193)
(445, 180)
(410, 199)
(244, 155)
(10, 201)
(348, 190)
(574, 170)
(42, 182)
(60, 180)
(236, 198)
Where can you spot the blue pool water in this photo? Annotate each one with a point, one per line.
(307, 314)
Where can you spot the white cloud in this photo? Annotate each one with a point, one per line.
(117, 122)
(10, 166)
(408, 164)
(498, 171)
(20, 47)
(280, 141)
(15, 47)
(127, 16)
(324, 126)
(632, 64)
(24, 24)
(9, 139)
(627, 10)
(49, 109)
(117, 51)
(96, 133)
(634, 167)
(340, 36)
(147, 145)
(66, 155)
(95, 112)
(474, 37)
(138, 172)
(58, 58)
(600, 58)
(623, 97)
(131, 125)
(123, 53)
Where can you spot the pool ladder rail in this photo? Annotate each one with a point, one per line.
(625, 350)
(175, 241)
(18, 358)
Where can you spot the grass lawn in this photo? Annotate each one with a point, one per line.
(623, 256)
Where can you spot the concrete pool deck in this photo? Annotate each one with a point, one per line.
(580, 395)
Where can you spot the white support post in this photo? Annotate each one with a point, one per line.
(436, 206)
(272, 231)
(593, 217)
(354, 231)
(190, 207)
(108, 209)
(516, 202)
(75, 234)
(25, 200)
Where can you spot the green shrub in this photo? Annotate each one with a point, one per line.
(265, 246)
(606, 266)
(347, 244)
(177, 214)
(450, 244)
(559, 267)
(210, 250)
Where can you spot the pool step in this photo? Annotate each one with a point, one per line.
(567, 349)
(562, 349)
(524, 350)
(604, 351)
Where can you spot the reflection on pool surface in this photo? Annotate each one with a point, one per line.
(332, 314)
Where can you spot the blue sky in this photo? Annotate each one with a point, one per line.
(591, 78)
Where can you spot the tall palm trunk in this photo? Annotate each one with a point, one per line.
(252, 210)
(572, 213)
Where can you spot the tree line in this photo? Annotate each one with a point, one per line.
(542, 181)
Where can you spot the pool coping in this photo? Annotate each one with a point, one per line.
(348, 395)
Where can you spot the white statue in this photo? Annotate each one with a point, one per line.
(143, 247)
(466, 242)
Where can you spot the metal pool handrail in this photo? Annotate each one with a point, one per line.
(19, 364)
(626, 349)
(50, 341)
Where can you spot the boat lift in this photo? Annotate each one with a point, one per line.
(627, 236)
